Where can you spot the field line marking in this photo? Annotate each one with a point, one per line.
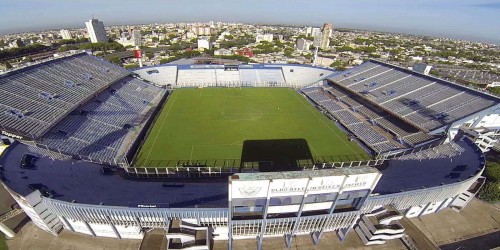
(191, 156)
(325, 124)
(215, 145)
(162, 122)
(314, 150)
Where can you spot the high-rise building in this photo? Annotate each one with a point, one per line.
(16, 43)
(96, 31)
(202, 30)
(325, 36)
(136, 37)
(310, 31)
(65, 34)
(303, 44)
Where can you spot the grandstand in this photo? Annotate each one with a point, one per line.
(97, 115)
(423, 101)
(257, 75)
(98, 129)
(37, 97)
(79, 106)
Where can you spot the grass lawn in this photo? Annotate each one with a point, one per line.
(216, 123)
(3, 244)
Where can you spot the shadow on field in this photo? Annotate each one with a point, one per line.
(275, 155)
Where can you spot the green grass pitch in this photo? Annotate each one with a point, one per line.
(212, 123)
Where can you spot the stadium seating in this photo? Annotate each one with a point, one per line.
(46, 92)
(163, 75)
(97, 130)
(196, 77)
(373, 139)
(227, 77)
(442, 151)
(302, 75)
(427, 103)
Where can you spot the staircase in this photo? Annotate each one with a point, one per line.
(184, 235)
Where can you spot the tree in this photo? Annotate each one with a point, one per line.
(132, 66)
(22, 51)
(116, 60)
(490, 192)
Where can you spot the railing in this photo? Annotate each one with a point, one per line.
(10, 214)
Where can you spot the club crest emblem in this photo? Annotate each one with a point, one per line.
(249, 191)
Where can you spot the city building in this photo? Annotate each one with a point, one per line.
(96, 31)
(136, 37)
(312, 31)
(202, 30)
(303, 44)
(245, 52)
(422, 68)
(264, 37)
(223, 52)
(65, 34)
(204, 43)
(326, 34)
(324, 61)
(16, 43)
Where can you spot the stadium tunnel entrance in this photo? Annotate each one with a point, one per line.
(276, 155)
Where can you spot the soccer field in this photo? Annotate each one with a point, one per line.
(210, 125)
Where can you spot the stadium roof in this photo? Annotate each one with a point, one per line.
(84, 182)
(36, 97)
(424, 101)
(427, 169)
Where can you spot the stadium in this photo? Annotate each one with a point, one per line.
(209, 152)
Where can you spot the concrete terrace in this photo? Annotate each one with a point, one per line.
(84, 183)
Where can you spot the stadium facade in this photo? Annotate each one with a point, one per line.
(84, 118)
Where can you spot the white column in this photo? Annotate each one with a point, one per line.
(7, 231)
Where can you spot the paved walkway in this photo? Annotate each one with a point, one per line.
(447, 226)
(32, 238)
(329, 241)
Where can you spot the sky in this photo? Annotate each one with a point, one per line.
(477, 20)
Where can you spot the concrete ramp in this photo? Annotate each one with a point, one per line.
(154, 240)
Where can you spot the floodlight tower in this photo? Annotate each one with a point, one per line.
(316, 44)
